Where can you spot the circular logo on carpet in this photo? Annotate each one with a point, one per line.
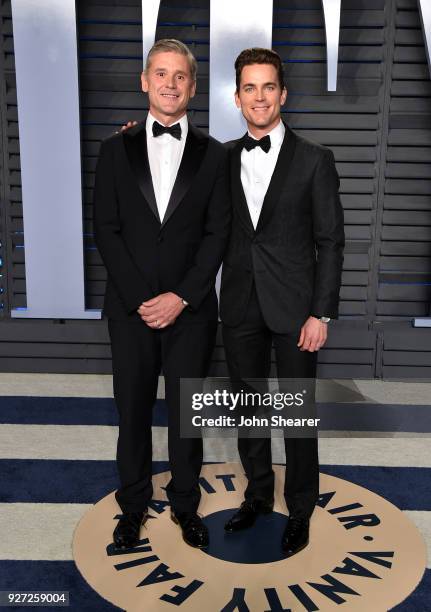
(363, 553)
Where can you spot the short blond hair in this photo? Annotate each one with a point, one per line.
(174, 46)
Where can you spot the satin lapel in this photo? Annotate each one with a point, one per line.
(135, 142)
(238, 195)
(194, 152)
(279, 177)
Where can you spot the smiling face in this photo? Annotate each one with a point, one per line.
(260, 98)
(169, 84)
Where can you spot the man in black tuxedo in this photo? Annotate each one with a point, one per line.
(161, 223)
(281, 277)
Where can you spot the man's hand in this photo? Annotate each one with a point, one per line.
(313, 335)
(128, 125)
(162, 310)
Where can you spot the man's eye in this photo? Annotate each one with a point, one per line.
(181, 77)
(160, 74)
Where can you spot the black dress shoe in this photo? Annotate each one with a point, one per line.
(247, 514)
(296, 535)
(194, 531)
(126, 533)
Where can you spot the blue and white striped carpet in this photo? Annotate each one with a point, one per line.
(57, 445)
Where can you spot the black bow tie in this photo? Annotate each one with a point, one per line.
(173, 130)
(264, 143)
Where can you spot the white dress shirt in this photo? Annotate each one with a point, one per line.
(257, 168)
(164, 155)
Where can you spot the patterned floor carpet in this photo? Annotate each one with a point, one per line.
(57, 444)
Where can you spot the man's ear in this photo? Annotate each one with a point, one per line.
(144, 82)
(193, 90)
(237, 100)
(283, 96)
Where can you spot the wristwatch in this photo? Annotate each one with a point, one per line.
(184, 302)
(322, 318)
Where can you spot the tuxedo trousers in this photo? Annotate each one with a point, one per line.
(139, 355)
(248, 354)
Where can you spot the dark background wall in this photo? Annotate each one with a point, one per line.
(378, 124)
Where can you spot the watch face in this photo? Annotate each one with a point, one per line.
(325, 319)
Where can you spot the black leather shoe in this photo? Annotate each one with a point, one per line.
(194, 531)
(126, 533)
(247, 514)
(296, 535)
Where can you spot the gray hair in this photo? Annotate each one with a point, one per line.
(175, 46)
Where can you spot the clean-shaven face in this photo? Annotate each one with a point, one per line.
(260, 97)
(169, 84)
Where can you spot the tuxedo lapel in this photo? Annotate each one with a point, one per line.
(279, 177)
(194, 151)
(135, 142)
(238, 195)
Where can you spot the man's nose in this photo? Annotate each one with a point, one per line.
(171, 82)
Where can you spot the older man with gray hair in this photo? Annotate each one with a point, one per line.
(161, 221)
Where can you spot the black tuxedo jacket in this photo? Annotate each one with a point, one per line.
(295, 255)
(145, 257)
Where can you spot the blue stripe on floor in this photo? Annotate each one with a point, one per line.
(63, 576)
(102, 411)
(408, 488)
(67, 411)
(52, 576)
(66, 481)
(374, 417)
(419, 600)
(60, 481)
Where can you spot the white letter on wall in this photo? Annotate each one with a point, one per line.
(425, 14)
(331, 14)
(234, 26)
(50, 147)
(150, 12)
